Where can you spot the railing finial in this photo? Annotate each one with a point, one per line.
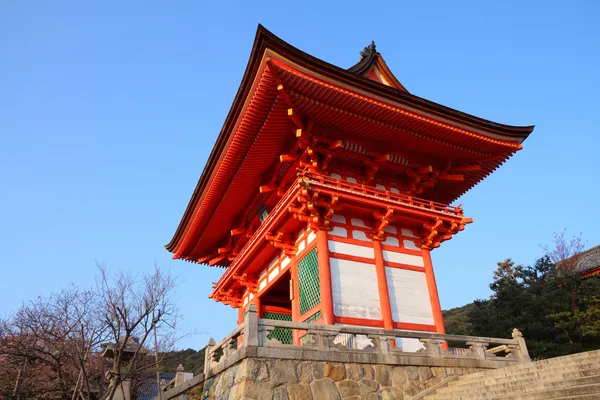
(516, 333)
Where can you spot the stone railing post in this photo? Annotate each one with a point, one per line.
(207, 355)
(179, 376)
(319, 338)
(382, 344)
(523, 352)
(251, 326)
(432, 347)
(478, 349)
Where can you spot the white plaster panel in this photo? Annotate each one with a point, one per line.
(351, 179)
(358, 222)
(409, 297)
(409, 244)
(360, 235)
(273, 262)
(402, 258)
(301, 246)
(285, 262)
(338, 218)
(394, 190)
(245, 301)
(311, 236)
(354, 289)
(262, 273)
(390, 229)
(339, 231)
(351, 249)
(380, 186)
(392, 241)
(408, 232)
(262, 285)
(336, 176)
(300, 234)
(273, 274)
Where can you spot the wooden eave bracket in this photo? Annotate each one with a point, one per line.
(247, 281)
(441, 231)
(383, 220)
(280, 242)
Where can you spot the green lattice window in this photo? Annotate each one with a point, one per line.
(284, 335)
(308, 281)
(315, 317)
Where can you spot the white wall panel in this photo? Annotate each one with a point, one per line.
(409, 244)
(409, 297)
(358, 222)
(351, 249)
(392, 241)
(360, 235)
(301, 245)
(339, 231)
(273, 274)
(354, 289)
(408, 232)
(402, 258)
(338, 218)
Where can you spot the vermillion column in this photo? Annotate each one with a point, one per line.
(384, 294)
(433, 293)
(256, 301)
(324, 277)
(295, 299)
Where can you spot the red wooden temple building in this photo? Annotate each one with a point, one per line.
(328, 188)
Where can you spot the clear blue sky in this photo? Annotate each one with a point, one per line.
(108, 112)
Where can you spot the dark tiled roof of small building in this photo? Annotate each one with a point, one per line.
(588, 260)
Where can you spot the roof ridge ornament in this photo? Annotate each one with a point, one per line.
(368, 51)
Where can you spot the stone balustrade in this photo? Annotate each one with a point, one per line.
(356, 341)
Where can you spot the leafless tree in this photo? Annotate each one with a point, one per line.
(48, 344)
(52, 348)
(132, 308)
(565, 252)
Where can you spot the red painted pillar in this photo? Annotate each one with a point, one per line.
(324, 277)
(384, 295)
(256, 301)
(438, 319)
(295, 291)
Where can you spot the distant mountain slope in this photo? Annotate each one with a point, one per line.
(456, 320)
(192, 361)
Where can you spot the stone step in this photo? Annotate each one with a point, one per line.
(513, 388)
(521, 369)
(517, 382)
(589, 390)
(566, 372)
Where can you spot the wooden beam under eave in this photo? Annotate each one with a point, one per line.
(467, 168)
(267, 188)
(452, 177)
(295, 117)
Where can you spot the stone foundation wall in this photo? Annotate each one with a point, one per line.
(280, 379)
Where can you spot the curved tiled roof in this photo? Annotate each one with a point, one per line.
(251, 141)
(588, 261)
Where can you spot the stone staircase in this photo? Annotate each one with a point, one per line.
(571, 377)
